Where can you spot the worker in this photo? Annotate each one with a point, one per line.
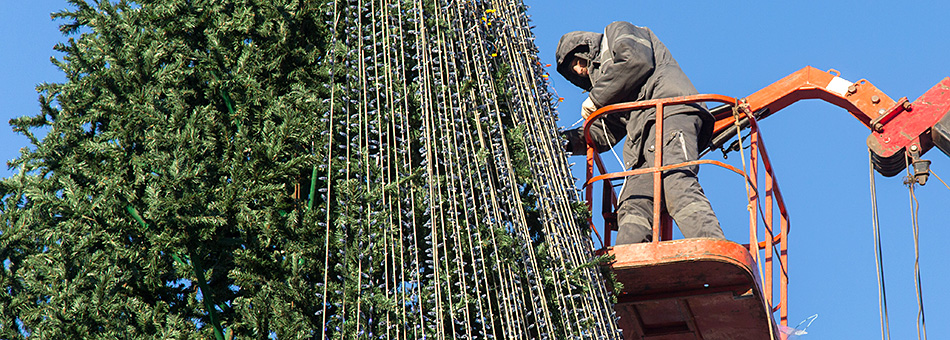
(628, 63)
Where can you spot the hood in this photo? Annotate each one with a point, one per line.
(578, 43)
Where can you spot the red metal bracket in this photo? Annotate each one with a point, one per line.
(910, 125)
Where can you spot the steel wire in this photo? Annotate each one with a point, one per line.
(914, 208)
(878, 255)
(445, 190)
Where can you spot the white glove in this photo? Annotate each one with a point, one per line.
(587, 108)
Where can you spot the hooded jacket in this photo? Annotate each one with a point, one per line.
(627, 63)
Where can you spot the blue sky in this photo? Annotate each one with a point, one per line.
(732, 48)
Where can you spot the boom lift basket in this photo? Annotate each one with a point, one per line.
(719, 289)
(692, 288)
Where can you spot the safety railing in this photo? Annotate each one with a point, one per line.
(662, 223)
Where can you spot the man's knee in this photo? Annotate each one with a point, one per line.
(633, 225)
(697, 219)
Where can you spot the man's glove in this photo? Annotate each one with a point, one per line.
(587, 108)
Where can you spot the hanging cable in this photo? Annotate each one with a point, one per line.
(914, 208)
(878, 256)
(753, 244)
(607, 136)
(330, 122)
(939, 179)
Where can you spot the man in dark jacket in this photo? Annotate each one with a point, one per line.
(624, 64)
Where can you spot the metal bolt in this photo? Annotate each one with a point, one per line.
(875, 99)
(913, 148)
(907, 106)
(852, 89)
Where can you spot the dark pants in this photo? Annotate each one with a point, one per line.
(682, 196)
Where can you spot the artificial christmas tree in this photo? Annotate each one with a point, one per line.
(297, 169)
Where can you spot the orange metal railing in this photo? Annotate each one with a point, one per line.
(662, 223)
(900, 131)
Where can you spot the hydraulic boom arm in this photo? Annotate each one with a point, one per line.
(900, 130)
